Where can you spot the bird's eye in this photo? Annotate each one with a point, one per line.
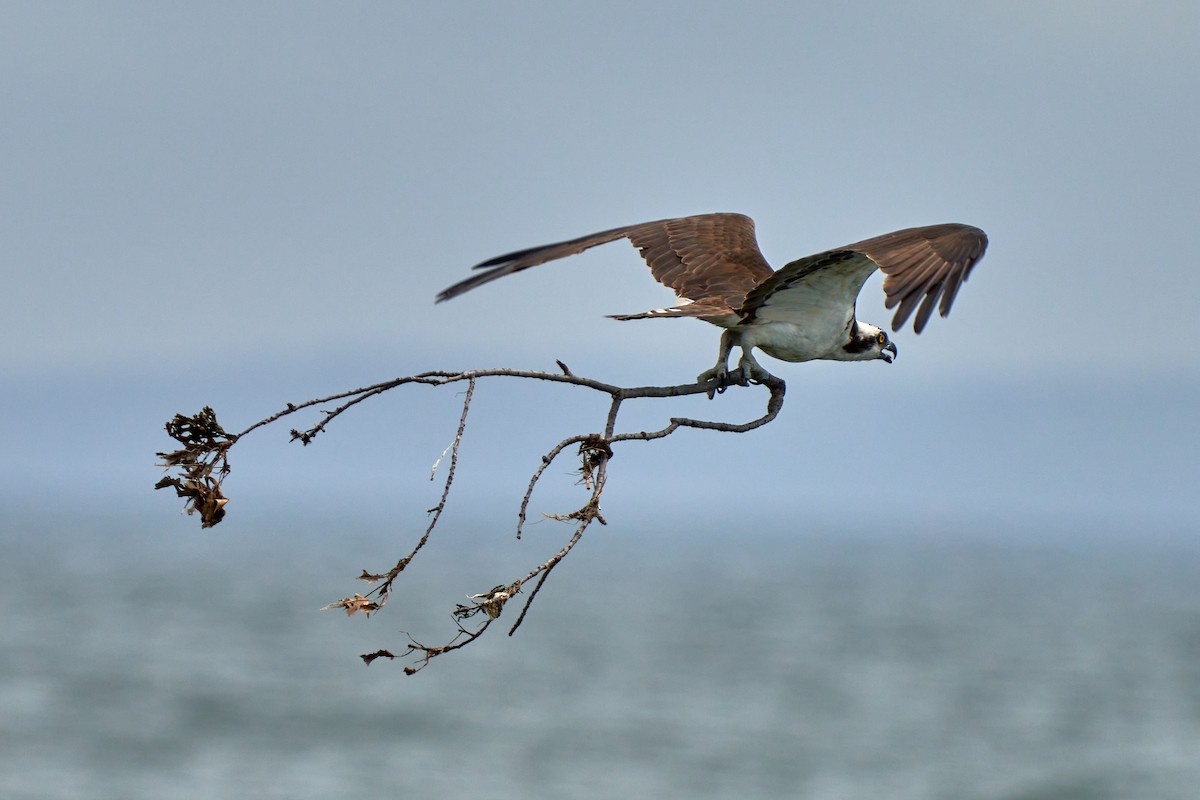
(881, 338)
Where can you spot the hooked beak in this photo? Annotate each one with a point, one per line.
(888, 352)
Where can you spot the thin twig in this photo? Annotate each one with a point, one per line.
(537, 474)
(435, 512)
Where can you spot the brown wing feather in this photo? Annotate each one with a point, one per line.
(924, 266)
(709, 258)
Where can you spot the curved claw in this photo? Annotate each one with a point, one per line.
(748, 371)
(719, 373)
(751, 371)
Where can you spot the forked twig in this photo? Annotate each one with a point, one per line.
(203, 465)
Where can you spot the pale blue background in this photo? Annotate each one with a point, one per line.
(243, 205)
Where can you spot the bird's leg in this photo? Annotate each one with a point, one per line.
(720, 370)
(750, 370)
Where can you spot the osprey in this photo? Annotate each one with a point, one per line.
(803, 311)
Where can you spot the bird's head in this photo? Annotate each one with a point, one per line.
(869, 342)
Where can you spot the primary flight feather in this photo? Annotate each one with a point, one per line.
(803, 311)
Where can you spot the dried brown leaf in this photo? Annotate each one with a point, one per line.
(371, 577)
(355, 604)
(369, 657)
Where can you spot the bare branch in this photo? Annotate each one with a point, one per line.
(203, 465)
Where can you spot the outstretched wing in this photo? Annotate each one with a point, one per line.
(923, 266)
(712, 260)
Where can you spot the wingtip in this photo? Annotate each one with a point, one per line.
(447, 294)
(464, 286)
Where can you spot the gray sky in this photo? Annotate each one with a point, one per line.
(243, 205)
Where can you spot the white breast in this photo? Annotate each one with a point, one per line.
(821, 335)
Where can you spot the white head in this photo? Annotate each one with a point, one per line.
(867, 343)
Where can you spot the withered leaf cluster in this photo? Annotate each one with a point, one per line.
(593, 451)
(490, 603)
(201, 464)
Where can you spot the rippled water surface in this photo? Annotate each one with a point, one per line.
(954, 667)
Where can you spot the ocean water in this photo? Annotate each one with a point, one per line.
(962, 666)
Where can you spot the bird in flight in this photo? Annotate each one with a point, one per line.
(801, 312)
